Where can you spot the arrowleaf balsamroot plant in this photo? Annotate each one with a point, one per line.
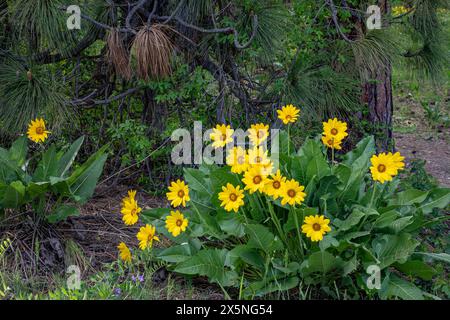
(44, 181)
(315, 222)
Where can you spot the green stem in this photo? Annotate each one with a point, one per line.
(276, 222)
(297, 228)
(289, 139)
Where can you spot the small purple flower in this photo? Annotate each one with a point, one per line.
(141, 278)
(117, 291)
(133, 278)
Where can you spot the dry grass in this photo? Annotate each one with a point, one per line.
(153, 49)
(118, 55)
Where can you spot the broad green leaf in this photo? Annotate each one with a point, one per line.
(260, 237)
(394, 286)
(210, 263)
(438, 198)
(18, 151)
(177, 254)
(393, 248)
(263, 288)
(444, 257)
(408, 197)
(416, 268)
(68, 158)
(196, 180)
(62, 213)
(13, 195)
(352, 220)
(321, 262)
(248, 255)
(48, 165)
(318, 167)
(230, 224)
(84, 184)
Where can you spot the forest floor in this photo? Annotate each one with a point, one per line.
(422, 130)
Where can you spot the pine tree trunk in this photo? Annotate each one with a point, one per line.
(378, 96)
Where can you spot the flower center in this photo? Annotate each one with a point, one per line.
(257, 179)
(241, 160)
(224, 137)
(276, 184)
(291, 193)
(233, 197)
(330, 142)
(334, 131)
(258, 159)
(40, 130)
(181, 193)
(316, 227)
(288, 117)
(133, 211)
(260, 134)
(381, 168)
(179, 222)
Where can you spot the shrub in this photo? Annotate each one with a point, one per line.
(258, 247)
(44, 181)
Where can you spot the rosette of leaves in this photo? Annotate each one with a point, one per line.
(261, 251)
(46, 181)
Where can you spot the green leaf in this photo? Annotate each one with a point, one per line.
(210, 263)
(408, 197)
(248, 255)
(196, 181)
(416, 268)
(322, 262)
(18, 151)
(67, 159)
(444, 257)
(62, 213)
(84, 184)
(230, 224)
(260, 237)
(352, 220)
(394, 286)
(13, 195)
(361, 154)
(393, 248)
(438, 198)
(263, 288)
(47, 166)
(318, 167)
(177, 254)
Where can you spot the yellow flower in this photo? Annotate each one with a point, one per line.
(385, 166)
(178, 193)
(130, 196)
(130, 209)
(37, 131)
(332, 142)
(238, 160)
(335, 128)
(258, 133)
(288, 114)
(232, 197)
(315, 227)
(274, 186)
(221, 135)
(254, 179)
(399, 10)
(176, 223)
(292, 193)
(124, 252)
(257, 156)
(146, 235)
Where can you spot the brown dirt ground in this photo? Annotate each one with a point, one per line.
(417, 140)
